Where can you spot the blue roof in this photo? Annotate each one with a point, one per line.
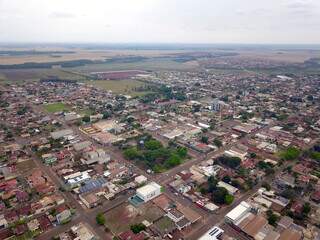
(92, 184)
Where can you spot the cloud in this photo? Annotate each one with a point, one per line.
(62, 15)
(303, 8)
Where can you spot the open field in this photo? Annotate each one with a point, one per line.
(122, 217)
(36, 74)
(292, 56)
(56, 107)
(154, 64)
(79, 54)
(126, 87)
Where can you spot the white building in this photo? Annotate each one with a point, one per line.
(231, 189)
(237, 214)
(149, 191)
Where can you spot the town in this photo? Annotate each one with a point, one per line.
(199, 155)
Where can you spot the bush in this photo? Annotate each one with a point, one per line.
(205, 139)
(100, 219)
(132, 153)
(153, 145)
(217, 142)
(182, 152)
(291, 153)
(86, 119)
(228, 199)
(138, 228)
(232, 162)
(272, 218)
(219, 195)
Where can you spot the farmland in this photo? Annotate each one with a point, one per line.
(17, 75)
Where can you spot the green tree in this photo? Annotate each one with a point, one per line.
(136, 228)
(226, 179)
(217, 142)
(131, 153)
(212, 184)
(306, 209)
(173, 161)
(232, 162)
(86, 119)
(182, 152)
(228, 199)
(100, 219)
(205, 139)
(153, 144)
(272, 218)
(219, 195)
(291, 153)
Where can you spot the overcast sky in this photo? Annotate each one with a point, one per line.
(160, 21)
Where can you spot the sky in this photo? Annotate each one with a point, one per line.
(161, 21)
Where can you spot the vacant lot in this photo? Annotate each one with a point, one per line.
(25, 165)
(122, 217)
(127, 87)
(56, 107)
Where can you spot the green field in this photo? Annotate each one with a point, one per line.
(164, 64)
(56, 107)
(126, 87)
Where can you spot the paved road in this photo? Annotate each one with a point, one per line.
(88, 216)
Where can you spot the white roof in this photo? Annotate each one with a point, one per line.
(149, 188)
(231, 189)
(238, 211)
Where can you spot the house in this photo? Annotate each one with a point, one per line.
(316, 196)
(284, 223)
(163, 226)
(20, 229)
(285, 180)
(290, 234)
(44, 223)
(82, 232)
(97, 156)
(92, 185)
(231, 189)
(178, 218)
(33, 225)
(90, 200)
(81, 145)
(149, 191)
(75, 179)
(3, 222)
(140, 179)
(49, 158)
(61, 133)
(64, 216)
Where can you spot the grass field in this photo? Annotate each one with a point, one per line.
(154, 64)
(56, 107)
(126, 87)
